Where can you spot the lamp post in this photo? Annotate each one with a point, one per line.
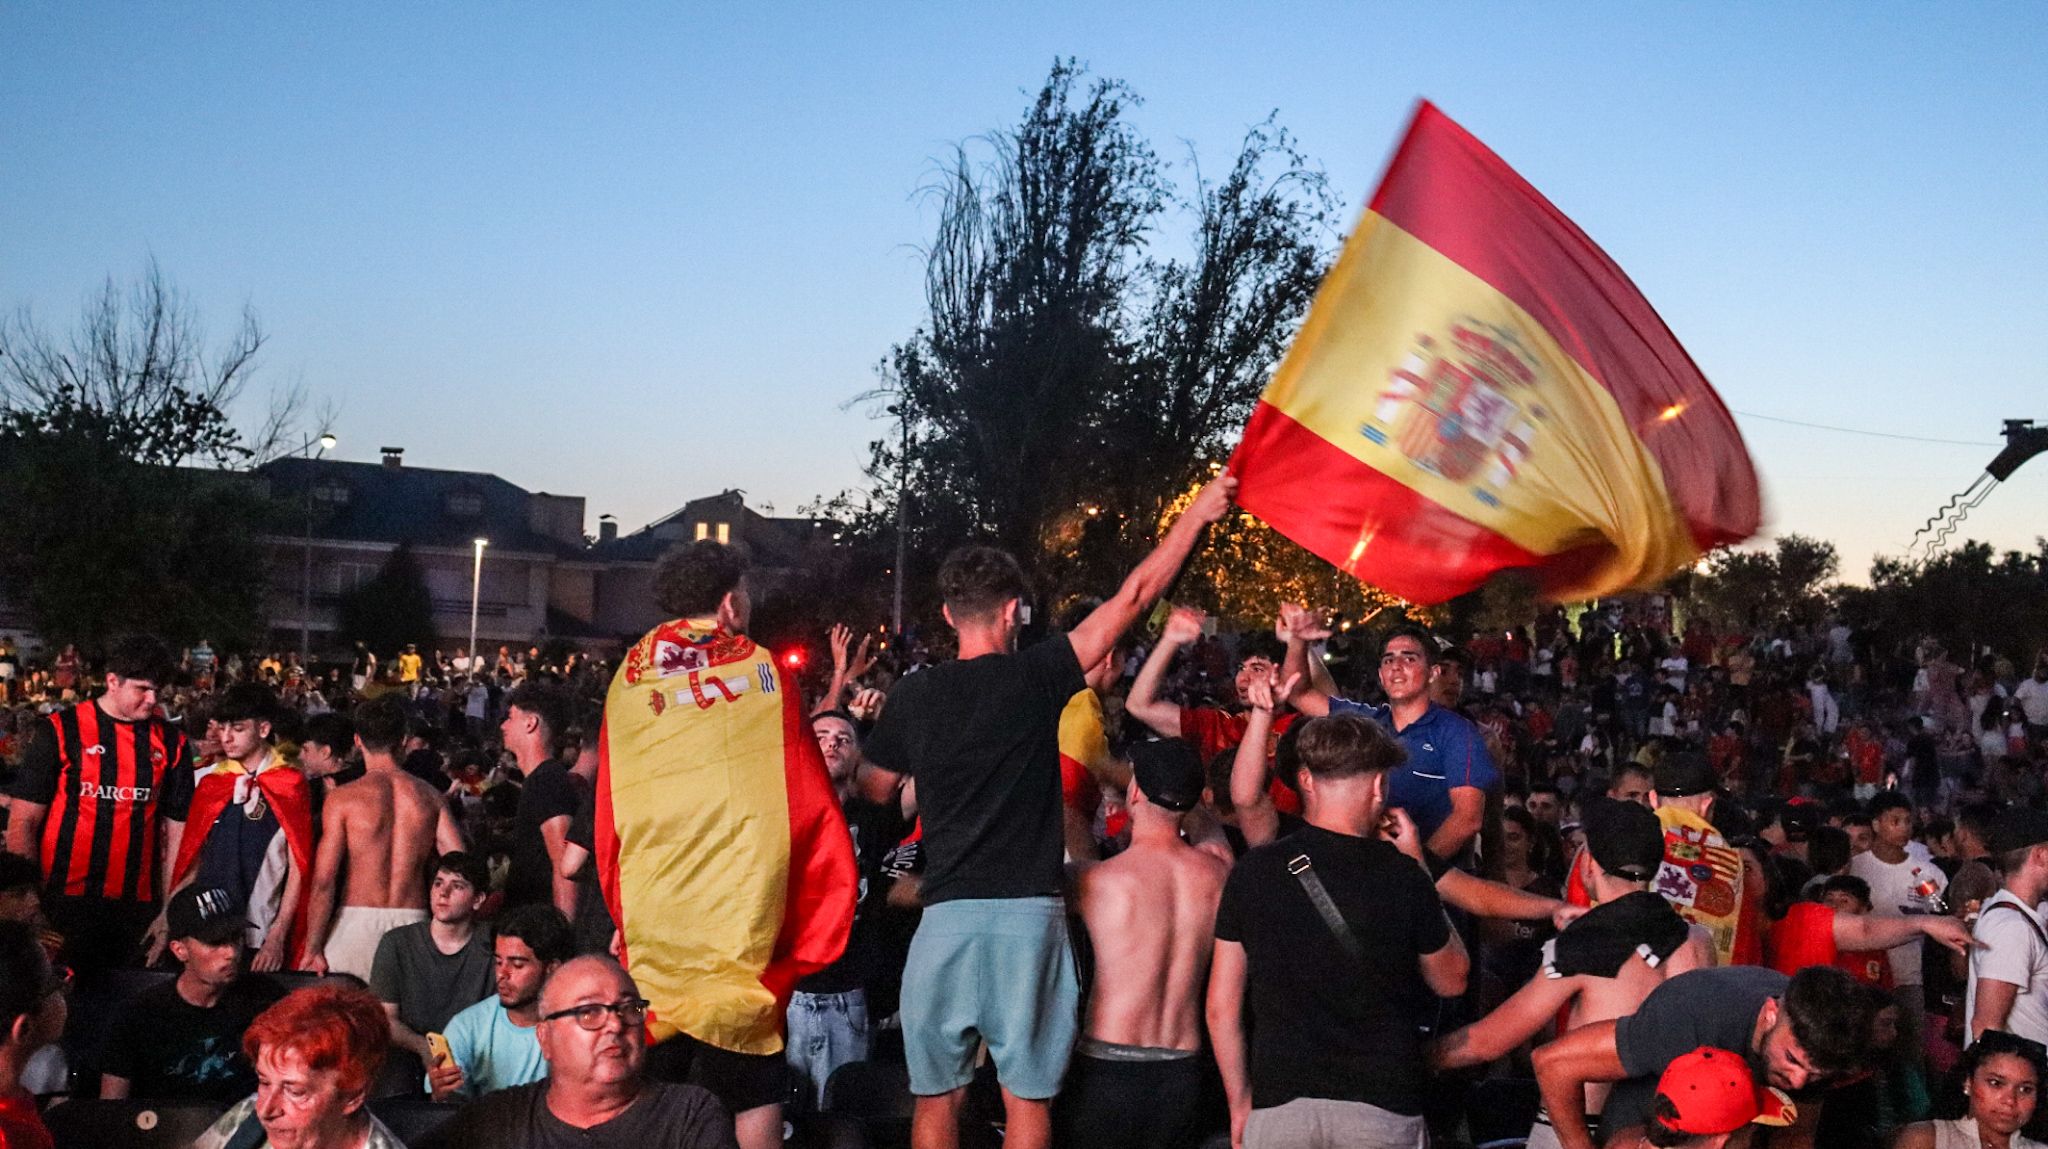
(476, 587)
(902, 411)
(326, 441)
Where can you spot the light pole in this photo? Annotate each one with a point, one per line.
(902, 411)
(476, 588)
(326, 442)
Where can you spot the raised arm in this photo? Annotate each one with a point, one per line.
(1250, 788)
(1308, 697)
(1883, 931)
(1098, 632)
(847, 666)
(1144, 704)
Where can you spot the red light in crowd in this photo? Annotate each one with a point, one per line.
(794, 659)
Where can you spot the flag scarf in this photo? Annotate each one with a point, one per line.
(720, 845)
(1478, 387)
(290, 796)
(1702, 879)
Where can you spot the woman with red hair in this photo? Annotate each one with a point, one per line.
(316, 1053)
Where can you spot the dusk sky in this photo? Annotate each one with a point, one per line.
(643, 253)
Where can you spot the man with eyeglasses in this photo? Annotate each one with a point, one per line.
(32, 1014)
(593, 1032)
(494, 1044)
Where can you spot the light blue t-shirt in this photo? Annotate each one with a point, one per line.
(492, 1052)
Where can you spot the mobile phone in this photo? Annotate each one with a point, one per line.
(438, 1051)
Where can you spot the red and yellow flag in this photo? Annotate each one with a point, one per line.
(1478, 387)
(720, 845)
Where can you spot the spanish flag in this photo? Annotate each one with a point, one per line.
(720, 845)
(1477, 388)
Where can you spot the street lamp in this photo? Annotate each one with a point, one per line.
(326, 442)
(476, 586)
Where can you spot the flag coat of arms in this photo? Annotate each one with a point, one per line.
(1478, 387)
(721, 848)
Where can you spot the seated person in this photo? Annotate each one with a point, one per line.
(427, 972)
(492, 1043)
(2002, 1077)
(32, 1014)
(596, 1094)
(182, 1041)
(315, 1053)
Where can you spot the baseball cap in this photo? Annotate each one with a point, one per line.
(1800, 818)
(1712, 1091)
(1169, 773)
(207, 915)
(1682, 773)
(1625, 838)
(2017, 828)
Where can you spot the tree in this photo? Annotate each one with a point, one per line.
(1069, 381)
(1744, 590)
(1971, 598)
(113, 444)
(390, 610)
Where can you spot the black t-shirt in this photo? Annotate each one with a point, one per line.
(1325, 1028)
(1715, 1007)
(664, 1117)
(876, 828)
(550, 792)
(172, 1050)
(593, 924)
(981, 737)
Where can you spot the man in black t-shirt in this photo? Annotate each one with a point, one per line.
(1339, 944)
(1801, 1035)
(980, 735)
(536, 716)
(182, 1041)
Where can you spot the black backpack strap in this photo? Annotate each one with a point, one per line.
(2024, 915)
(1304, 872)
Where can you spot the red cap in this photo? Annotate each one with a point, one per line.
(1714, 1092)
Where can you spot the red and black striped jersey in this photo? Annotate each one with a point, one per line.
(107, 784)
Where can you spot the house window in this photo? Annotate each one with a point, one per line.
(703, 531)
(465, 504)
(724, 533)
(330, 493)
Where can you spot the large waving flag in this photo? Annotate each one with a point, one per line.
(720, 845)
(1479, 388)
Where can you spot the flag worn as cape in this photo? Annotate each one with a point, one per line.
(721, 848)
(290, 797)
(1478, 387)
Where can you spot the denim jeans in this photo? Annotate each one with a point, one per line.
(826, 1030)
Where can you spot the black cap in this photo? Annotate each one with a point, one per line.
(1800, 818)
(208, 915)
(1683, 773)
(1169, 773)
(2017, 828)
(1625, 838)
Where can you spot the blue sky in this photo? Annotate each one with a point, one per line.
(645, 252)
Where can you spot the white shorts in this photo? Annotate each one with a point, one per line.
(352, 944)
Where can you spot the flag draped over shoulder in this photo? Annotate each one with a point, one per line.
(1478, 387)
(720, 845)
(290, 797)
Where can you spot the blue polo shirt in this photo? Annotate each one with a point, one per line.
(1445, 751)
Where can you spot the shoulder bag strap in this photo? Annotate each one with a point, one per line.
(2027, 917)
(1305, 873)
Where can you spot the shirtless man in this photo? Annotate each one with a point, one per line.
(1136, 1076)
(1598, 966)
(378, 834)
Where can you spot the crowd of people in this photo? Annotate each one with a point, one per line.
(1607, 879)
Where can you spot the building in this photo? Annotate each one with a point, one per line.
(626, 600)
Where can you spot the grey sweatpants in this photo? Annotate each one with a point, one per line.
(1318, 1123)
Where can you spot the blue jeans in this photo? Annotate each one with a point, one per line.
(826, 1031)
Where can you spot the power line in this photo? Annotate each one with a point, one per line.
(1859, 431)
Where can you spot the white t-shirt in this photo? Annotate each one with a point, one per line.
(1894, 889)
(2033, 699)
(2017, 956)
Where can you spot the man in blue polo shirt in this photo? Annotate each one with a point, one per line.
(1444, 782)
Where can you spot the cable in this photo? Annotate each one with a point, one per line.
(1857, 431)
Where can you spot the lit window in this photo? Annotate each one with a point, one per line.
(703, 531)
(724, 533)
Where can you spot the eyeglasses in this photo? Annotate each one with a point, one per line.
(591, 1015)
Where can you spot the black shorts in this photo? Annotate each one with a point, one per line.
(740, 1081)
(1128, 1104)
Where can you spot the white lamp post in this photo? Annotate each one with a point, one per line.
(476, 586)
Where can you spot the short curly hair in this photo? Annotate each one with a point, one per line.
(693, 578)
(329, 1026)
(975, 581)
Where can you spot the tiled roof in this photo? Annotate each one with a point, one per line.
(413, 504)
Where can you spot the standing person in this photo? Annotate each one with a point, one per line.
(1136, 1079)
(32, 1015)
(1448, 772)
(252, 832)
(1339, 944)
(363, 671)
(1208, 729)
(1902, 880)
(100, 802)
(492, 1044)
(2031, 695)
(721, 851)
(428, 972)
(537, 715)
(379, 836)
(409, 670)
(2008, 986)
(1708, 881)
(980, 735)
(182, 1040)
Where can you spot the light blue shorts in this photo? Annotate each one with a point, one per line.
(998, 970)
